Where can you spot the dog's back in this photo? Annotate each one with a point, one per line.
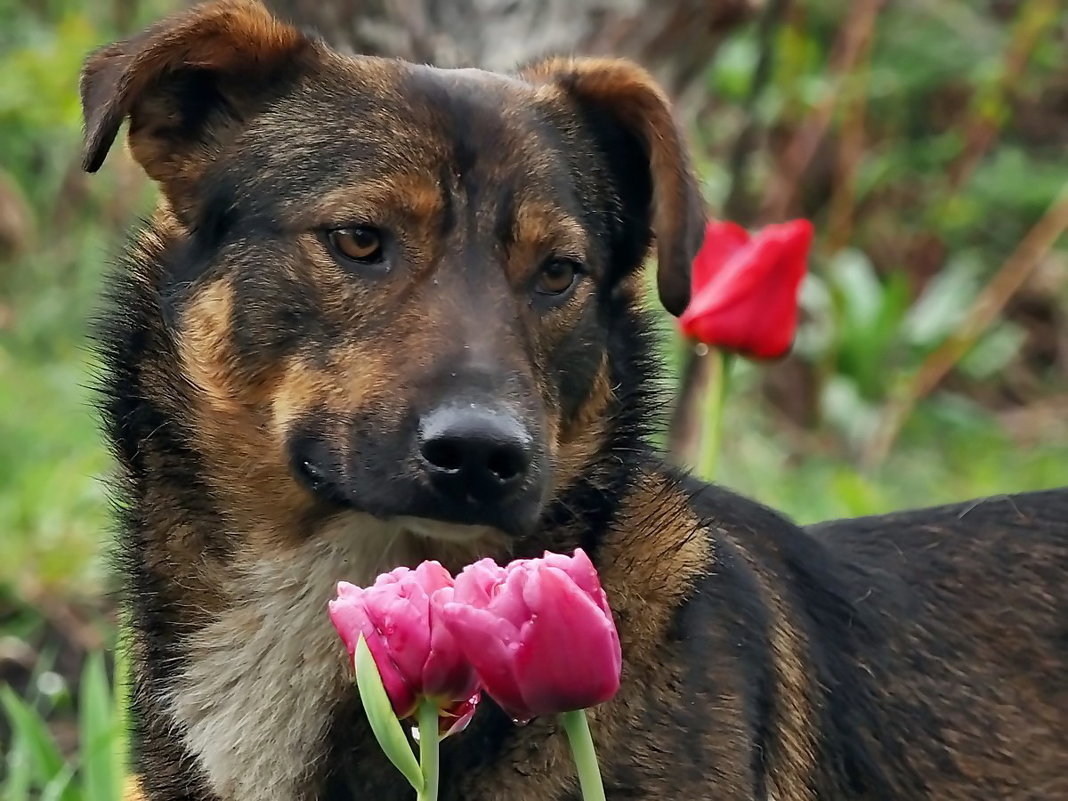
(975, 605)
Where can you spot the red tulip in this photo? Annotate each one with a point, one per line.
(744, 288)
(539, 633)
(415, 654)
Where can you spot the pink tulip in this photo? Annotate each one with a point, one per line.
(539, 633)
(454, 719)
(416, 655)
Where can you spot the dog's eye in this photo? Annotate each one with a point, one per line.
(361, 244)
(557, 276)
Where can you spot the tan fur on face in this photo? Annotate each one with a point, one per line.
(352, 377)
(251, 470)
(243, 424)
(578, 441)
(408, 203)
(542, 231)
(205, 348)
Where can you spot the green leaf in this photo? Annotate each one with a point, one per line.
(943, 304)
(993, 352)
(60, 788)
(387, 729)
(121, 703)
(29, 729)
(855, 278)
(17, 785)
(97, 730)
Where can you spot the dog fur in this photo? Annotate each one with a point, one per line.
(262, 395)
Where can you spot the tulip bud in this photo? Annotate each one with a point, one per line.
(539, 633)
(744, 288)
(415, 654)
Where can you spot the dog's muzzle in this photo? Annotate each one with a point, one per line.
(464, 462)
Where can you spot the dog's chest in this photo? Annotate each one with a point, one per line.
(263, 680)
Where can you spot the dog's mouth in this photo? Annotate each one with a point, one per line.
(441, 531)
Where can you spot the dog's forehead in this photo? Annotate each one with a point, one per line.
(404, 86)
(368, 120)
(471, 84)
(481, 116)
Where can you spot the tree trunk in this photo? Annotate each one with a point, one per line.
(675, 39)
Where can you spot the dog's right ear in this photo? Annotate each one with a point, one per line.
(628, 98)
(185, 84)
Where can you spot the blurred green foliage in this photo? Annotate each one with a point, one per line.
(36, 765)
(959, 112)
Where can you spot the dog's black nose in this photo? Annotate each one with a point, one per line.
(475, 452)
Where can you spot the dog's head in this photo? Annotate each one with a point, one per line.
(390, 288)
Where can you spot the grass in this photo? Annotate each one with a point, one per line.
(53, 506)
(950, 452)
(36, 765)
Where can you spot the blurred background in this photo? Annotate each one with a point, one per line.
(926, 139)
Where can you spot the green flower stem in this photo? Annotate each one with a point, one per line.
(428, 749)
(578, 734)
(712, 435)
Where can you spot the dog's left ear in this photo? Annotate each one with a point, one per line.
(624, 96)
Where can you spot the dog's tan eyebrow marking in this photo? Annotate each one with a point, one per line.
(544, 227)
(412, 198)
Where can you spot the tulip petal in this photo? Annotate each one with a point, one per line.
(455, 719)
(552, 677)
(508, 601)
(431, 577)
(347, 590)
(397, 685)
(722, 240)
(395, 619)
(581, 571)
(750, 305)
(351, 619)
(349, 616)
(743, 274)
(489, 643)
(404, 627)
(478, 582)
(447, 673)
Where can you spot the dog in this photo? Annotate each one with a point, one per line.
(386, 312)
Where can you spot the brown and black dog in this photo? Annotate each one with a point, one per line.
(386, 312)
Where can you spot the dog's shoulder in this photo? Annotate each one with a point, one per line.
(774, 630)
